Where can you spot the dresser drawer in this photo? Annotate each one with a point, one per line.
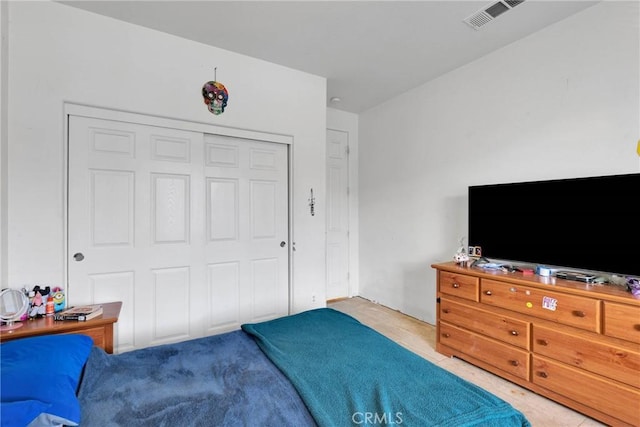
(504, 357)
(503, 328)
(606, 359)
(460, 285)
(597, 392)
(567, 309)
(622, 321)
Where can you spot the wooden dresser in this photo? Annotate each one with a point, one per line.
(100, 329)
(575, 343)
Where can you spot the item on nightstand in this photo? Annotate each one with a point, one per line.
(81, 313)
(50, 309)
(57, 295)
(13, 304)
(38, 299)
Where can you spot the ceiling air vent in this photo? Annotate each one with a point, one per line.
(513, 3)
(490, 12)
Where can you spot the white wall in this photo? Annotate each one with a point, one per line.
(563, 102)
(59, 53)
(348, 122)
(4, 43)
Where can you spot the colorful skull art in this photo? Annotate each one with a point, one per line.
(215, 96)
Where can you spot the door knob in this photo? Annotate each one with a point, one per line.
(78, 256)
(282, 244)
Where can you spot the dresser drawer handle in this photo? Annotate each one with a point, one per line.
(455, 285)
(446, 335)
(542, 374)
(514, 363)
(488, 293)
(515, 333)
(543, 342)
(636, 327)
(578, 313)
(446, 310)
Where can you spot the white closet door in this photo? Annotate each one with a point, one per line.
(246, 249)
(151, 216)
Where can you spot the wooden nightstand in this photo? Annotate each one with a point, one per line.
(99, 329)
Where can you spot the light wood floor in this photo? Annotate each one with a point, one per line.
(420, 337)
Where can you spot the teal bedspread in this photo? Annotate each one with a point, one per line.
(348, 375)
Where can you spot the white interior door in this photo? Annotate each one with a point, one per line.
(337, 214)
(183, 228)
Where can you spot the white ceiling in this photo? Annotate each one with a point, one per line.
(369, 51)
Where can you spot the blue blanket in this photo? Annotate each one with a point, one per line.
(222, 380)
(348, 374)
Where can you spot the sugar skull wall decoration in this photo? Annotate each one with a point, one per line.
(215, 96)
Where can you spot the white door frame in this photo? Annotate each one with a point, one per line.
(73, 109)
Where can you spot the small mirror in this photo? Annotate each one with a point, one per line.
(13, 305)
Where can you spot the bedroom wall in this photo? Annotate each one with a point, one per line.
(4, 40)
(563, 102)
(62, 54)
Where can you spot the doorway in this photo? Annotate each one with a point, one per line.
(337, 215)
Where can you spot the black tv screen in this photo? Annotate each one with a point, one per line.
(579, 224)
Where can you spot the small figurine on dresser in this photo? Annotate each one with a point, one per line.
(633, 285)
(461, 256)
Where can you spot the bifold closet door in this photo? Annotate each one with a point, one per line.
(188, 230)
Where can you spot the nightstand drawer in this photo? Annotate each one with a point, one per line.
(503, 356)
(602, 394)
(459, 285)
(622, 321)
(503, 328)
(558, 307)
(616, 362)
(97, 334)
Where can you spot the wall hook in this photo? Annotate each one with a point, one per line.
(312, 203)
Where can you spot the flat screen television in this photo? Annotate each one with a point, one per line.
(581, 224)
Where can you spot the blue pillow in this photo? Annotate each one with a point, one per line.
(40, 376)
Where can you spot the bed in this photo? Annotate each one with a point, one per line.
(320, 367)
